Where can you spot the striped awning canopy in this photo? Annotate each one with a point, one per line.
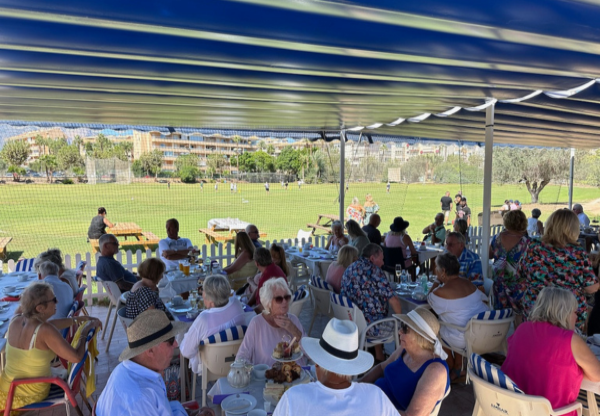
(382, 67)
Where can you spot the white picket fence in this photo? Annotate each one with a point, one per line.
(223, 253)
(476, 237)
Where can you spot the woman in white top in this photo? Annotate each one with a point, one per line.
(397, 237)
(268, 329)
(455, 301)
(222, 311)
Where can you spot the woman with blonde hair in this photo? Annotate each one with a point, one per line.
(358, 238)
(371, 208)
(346, 256)
(337, 239)
(144, 294)
(243, 266)
(355, 211)
(33, 342)
(506, 249)
(545, 356)
(557, 260)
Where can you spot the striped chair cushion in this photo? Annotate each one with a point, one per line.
(340, 300)
(316, 281)
(493, 315)
(229, 334)
(301, 293)
(492, 374)
(55, 397)
(25, 265)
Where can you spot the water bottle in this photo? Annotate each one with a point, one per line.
(404, 279)
(424, 283)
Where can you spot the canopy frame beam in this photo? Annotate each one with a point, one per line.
(487, 188)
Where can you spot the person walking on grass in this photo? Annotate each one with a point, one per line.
(388, 186)
(267, 187)
(446, 205)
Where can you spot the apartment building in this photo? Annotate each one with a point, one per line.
(29, 138)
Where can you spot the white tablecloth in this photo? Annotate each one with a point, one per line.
(312, 261)
(227, 224)
(430, 253)
(173, 284)
(255, 388)
(12, 279)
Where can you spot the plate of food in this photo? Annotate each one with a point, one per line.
(284, 354)
(288, 374)
(238, 404)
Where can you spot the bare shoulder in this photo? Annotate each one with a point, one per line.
(436, 371)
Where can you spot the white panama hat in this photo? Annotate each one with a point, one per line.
(337, 349)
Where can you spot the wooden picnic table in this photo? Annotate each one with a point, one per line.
(329, 218)
(3, 243)
(130, 229)
(216, 235)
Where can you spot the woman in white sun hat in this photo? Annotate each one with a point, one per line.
(415, 377)
(337, 360)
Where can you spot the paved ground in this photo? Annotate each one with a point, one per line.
(460, 402)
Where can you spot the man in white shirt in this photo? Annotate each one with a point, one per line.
(48, 272)
(136, 386)
(337, 360)
(173, 248)
(583, 219)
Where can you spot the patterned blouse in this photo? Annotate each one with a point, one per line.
(545, 265)
(507, 289)
(142, 299)
(366, 285)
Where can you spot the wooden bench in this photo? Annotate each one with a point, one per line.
(320, 227)
(3, 243)
(213, 236)
(146, 240)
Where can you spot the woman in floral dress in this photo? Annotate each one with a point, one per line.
(559, 261)
(506, 249)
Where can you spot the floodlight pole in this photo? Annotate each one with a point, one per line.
(487, 188)
(571, 174)
(342, 171)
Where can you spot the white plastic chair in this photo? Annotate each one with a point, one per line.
(303, 235)
(485, 332)
(299, 275)
(217, 352)
(320, 292)
(343, 308)
(298, 300)
(496, 394)
(124, 320)
(438, 405)
(114, 294)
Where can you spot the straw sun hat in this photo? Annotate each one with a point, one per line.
(148, 330)
(337, 350)
(424, 323)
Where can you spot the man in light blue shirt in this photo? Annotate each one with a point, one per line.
(470, 262)
(584, 221)
(136, 387)
(48, 272)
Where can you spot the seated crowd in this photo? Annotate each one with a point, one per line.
(544, 281)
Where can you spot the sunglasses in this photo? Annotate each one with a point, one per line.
(404, 328)
(279, 299)
(170, 341)
(49, 300)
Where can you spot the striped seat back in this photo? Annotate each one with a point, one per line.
(24, 265)
(317, 282)
(340, 300)
(230, 334)
(301, 293)
(76, 370)
(492, 374)
(342, 307)
(494, 315)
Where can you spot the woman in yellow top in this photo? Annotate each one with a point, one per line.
(243, 265)
(33, 342)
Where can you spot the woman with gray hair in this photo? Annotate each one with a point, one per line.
(455, 302)
(546, 357)
(337, 239)
(269, 328)
(33, 342)
(222, 311)
(358, 238)
(66, 275)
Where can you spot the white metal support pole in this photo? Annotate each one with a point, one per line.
(571, 174)
(342, 172)
(487, 188)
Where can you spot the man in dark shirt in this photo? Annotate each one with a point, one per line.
(108, 268)
(269, 270)
(446, 204)
(463, 211)
(371, 229)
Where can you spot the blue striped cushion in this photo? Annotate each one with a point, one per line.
(55, 397)
(493, 315)
(25, 265)
(299, 294)
(229, 334)
(492, 374)
(340, 300)
(316, 281)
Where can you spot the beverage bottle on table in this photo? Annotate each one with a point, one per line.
(424, 283)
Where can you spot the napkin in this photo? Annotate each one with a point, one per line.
(218, 398)
(10, 299)
(184, 318)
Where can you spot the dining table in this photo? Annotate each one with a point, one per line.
(176, 282)
(316, 259)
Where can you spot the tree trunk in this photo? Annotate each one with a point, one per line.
(535, 190)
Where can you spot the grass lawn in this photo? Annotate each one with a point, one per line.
(39, 217)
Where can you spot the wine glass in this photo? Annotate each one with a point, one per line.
(398, 272)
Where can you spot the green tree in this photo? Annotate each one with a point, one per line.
(15, 153)
(101, 149)
(264, 161)
(534, 167)
(79, 171)
(187, 160)
(138, 169)
(246, 162)
(17, 172)
(68, 158)
(271, 149)
(289, 161)
(215, 162)
(188, 174)
(49, 165)
(152, 162)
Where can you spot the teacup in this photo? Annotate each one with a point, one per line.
(177, 301)
(9, 289)
(23, 278)
(260, 370)
(437, 245)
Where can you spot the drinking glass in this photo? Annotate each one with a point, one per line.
(404, 280)
(193, 302)
(398, 272)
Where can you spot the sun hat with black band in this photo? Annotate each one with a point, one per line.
(337, 349)
(148, 330)
(421, 324)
